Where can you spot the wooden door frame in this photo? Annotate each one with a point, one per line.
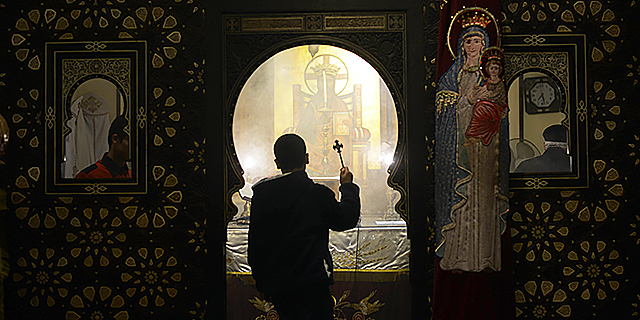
(416, 147)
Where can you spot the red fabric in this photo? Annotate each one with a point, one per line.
(485, 122)
(100, 171)
(476, 295)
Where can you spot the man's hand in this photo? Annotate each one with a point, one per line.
(345, 175)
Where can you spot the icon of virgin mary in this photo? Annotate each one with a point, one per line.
(471, 159)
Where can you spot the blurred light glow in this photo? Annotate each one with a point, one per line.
(388, 159)
(249, 162)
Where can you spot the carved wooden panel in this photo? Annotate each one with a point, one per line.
(135, 255)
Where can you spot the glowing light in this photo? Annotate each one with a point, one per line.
(388, 159)
(249, 162)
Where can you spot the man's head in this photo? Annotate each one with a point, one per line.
(119, 140)
(556, 136)
(291, 152)
(555, 133)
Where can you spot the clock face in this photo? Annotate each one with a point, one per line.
(542, 94)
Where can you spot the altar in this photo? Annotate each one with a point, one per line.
(371, 272)
(329, 96)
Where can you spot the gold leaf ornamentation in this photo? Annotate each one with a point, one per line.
(34, 63)
(49, 15)
(157, 140)
(175, 37)
(158, 221)
(612, 175)
(157, 61)
(541, 16)
(597, 86)
(608, 16)
(158, 172)
(171, 181)
(170, 52)
(175, 196)
(596, 55)
(103, 23)
(567, 16)
(143, 221)
(169, 22)
(175, 116)
(617, 190)
(580, 7)
(598, 135)
(22, 25)
(157, 92)
(129, 23)
(595, 7)
(17, 39)
(34, 143)
(171, 211)
(142, 13)
(22, 54)
(62, 24)
(609, 46)
(21, 182)
(157, 13)
(613, 30)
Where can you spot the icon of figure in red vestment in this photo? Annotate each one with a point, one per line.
(491, 108)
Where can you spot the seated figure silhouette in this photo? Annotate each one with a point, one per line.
(555, 158)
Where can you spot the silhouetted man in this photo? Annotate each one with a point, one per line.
(289, 233)
(555, 157)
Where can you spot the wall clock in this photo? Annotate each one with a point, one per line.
(541, 95)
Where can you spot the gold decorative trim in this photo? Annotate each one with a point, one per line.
(273, 24)
(557, 63)
(96, 46)
(317, 22)
(118, 69)
(334, 23)
(534, 40)
(95, 188)
(536, 183)
(142, 118)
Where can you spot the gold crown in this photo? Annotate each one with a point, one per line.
(493, 53)
(474, 18)
(328, 68)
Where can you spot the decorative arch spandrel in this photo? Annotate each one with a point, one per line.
(246, 50)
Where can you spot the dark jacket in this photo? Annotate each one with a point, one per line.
(552, 160)
(289, 231)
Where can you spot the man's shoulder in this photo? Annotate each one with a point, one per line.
(90, 168)
(93, 171)
(264, 182)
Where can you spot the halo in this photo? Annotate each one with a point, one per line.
(454, 20)
(344, 65)
(490, 54)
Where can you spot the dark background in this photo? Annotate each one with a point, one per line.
(575, 251)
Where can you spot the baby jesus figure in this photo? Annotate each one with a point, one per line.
(490, 106)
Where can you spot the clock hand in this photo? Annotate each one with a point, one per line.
(542, 97)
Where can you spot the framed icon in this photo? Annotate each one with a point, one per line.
(88, 86)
